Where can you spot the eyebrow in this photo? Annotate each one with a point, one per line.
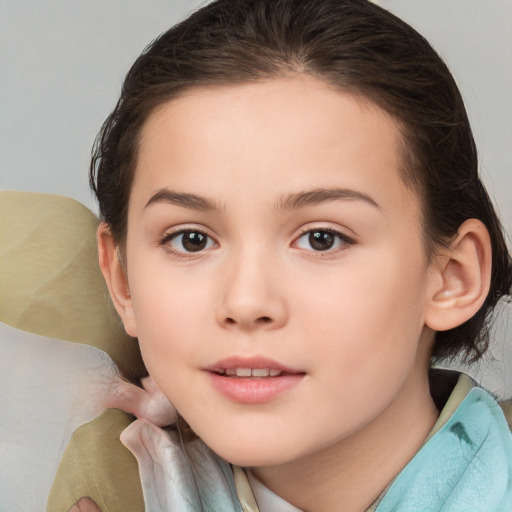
(290, 202)
(323, 195)
(190, 201)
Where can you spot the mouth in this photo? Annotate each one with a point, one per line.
(245, 373)
(251, 381)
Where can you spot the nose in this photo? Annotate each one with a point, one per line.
(252, 297)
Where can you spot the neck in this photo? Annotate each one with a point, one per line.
(356, 470)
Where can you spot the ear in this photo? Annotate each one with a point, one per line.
(115, 276)
(462, 277)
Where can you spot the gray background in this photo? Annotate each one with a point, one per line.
(63, 62)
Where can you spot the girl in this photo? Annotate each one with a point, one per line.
(294, 228)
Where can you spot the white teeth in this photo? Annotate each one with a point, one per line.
(260, 372)
(249, 372)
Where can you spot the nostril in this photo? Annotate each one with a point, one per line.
(262, 320)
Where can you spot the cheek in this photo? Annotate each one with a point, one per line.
(365, 316)
(366, 331)
(168, 321)
(165, 299)
(372, 297)
(175, 319)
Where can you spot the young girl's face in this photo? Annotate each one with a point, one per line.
(277, 278)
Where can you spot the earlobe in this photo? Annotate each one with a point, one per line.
(463, 278)
(114, 273)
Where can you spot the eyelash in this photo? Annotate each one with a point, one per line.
(343, 241)
(169, 237)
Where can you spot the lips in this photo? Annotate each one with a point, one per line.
(252, 380)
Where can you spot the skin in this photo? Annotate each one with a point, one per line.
(357, 320)
(85, 505)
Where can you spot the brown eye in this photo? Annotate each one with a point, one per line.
(189, 241)
(322, 240)
(193, 241)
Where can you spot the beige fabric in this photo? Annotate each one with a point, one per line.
(50, 283)
(113, 484)
(244, 491)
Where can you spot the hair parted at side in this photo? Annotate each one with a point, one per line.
(353, 45)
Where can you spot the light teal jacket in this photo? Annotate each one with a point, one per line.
(466, 466)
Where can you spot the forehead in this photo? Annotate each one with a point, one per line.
(270, 137)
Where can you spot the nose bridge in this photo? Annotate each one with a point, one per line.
(251, 295)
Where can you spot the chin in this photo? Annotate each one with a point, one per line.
(251, 453)
(248, 460)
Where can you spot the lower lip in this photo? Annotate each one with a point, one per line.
(254, 390)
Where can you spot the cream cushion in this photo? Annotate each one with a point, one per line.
(51, 289)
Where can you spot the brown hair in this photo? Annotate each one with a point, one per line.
(353, 45)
